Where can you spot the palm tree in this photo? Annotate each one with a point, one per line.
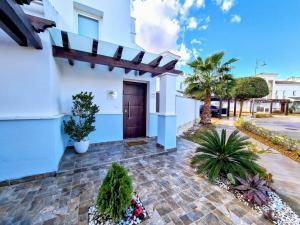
(206, 80)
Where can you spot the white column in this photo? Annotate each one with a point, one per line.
(166, 134)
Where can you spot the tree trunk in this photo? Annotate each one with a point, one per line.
(205, 116)
(241, 108)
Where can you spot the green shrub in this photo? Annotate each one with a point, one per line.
(263, 115)
(276, 140)
(218, 156)
(115, 193)
(281, 140)
(82, 118)
(292, 108)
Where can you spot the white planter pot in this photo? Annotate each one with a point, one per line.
(81, 146)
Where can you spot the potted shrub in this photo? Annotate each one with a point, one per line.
(81, 121)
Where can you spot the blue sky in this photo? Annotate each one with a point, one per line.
(247, 29)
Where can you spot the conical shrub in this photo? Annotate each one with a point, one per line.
(115, 193)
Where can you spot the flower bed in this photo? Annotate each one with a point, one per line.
(225, 162)
(263, 115)
(284, 144)
(276, 210)
(134, 214)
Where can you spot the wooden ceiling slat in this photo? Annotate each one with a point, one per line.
(136, 60)
(117, 56)
(72, 54)
(94, 51)
(66, 44)
(21, 2)
(156, 61)
(170, 65)
(12, 31)
(16, 24)
(40, 24)
(153, 63)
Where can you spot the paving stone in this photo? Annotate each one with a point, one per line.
(186, 220)
(212, 219)
(170, 190)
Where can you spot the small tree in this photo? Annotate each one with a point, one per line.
(82, 118)
(115, 193)
(250, 87)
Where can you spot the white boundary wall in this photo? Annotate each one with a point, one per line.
(187, 111)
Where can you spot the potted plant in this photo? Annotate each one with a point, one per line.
(81, 121)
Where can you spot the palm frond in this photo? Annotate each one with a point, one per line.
(219, 155)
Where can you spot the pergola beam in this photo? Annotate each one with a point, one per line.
(66, 44)
(136, 60)
(170, 65)
(72, 54)
(153, 63)
(117, 56)
(94, 51)
(156, 61)
(40, 24)
(21, 2)
(17, 25)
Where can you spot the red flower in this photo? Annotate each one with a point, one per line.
(133, 202)
(138, 211)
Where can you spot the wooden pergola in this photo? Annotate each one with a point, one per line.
(271, 101)
(111, 61)
(21, 27)
(285, 102)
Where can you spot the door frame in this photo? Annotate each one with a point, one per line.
(146, 107)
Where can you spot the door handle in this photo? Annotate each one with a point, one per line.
(129, 111)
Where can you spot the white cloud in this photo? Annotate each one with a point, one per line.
(157, 26)
(192, 24)
(225, 5)
(204, 27)
(184, 53)
(236, 19)
(200, 3)
(196, 42)
(186, 6)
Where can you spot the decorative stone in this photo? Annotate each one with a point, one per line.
(135, 214)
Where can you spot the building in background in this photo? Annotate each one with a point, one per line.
(288, 89)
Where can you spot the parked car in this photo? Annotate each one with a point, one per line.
(214, 110)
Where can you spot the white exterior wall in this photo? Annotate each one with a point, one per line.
(283, 91)
(187, 112)
(29, 80)
(115, 22)
(30, 124)
(100, 81)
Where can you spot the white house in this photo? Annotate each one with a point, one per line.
(288, 89)
(92, 48)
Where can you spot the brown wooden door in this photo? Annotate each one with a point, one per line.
(134, 110)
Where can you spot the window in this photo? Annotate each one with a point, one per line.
(88, 27)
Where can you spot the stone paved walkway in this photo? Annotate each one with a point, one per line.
(167, 185)
(286, 172)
